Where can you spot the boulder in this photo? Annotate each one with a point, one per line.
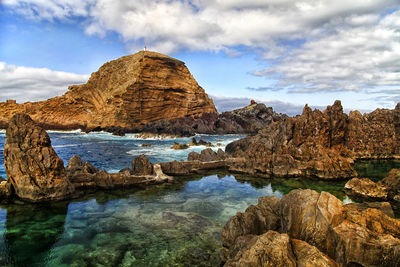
(351, 235)
(278, 250)
(366, 188)
(33, 167)
(178, 146)
(386, 189)
(142, 166)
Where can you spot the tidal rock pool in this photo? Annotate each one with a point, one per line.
(166, 225)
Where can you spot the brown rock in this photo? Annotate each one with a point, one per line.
(278, 250)
(318, 144)
(386, 189)
(123, 94)
(352, 234)
(178, 146)
(366, 188)
(142, 166)
(33, 167)
(254, 221)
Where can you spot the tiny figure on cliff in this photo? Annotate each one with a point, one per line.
(252, 102)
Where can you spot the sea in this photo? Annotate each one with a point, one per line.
(175, 224)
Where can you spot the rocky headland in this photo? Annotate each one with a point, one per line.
(306, 228)
(35, 173)
(144, 92)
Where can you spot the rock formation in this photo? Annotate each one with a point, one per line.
(386, 189)
(318, 144)
(33, 168)
(249, 120)
(123, 94)
(36, 174)
(312, 227)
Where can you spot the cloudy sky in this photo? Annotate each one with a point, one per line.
(282, 52)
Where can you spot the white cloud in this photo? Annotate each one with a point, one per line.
(347, 59)
(310, 45)
(34, 84)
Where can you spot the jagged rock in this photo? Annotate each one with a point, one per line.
(317, 144)
(33, 167)
(142, 166)
(366, 188)
(178, 146)
(249, 119)
(123, 95)
(278, 250)
(386, 189)
(207, 155)
(5, 189)
(254, 221)
(352, 234)
(201, 142)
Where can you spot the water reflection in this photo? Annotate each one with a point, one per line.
(166, 225)
(31, 230)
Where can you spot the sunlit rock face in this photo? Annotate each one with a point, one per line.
(313, 227)
(127, 93)
(322, 144)
(33, 168)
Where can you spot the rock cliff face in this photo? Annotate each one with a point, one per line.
(124, 93)
(313, 227)
(33, 168)
(318, 144)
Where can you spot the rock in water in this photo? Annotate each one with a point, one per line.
(33, 167)
(322, 144)
(142, 166)
(124, 93)
(351, 234)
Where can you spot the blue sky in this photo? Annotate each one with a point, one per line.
(284, 53)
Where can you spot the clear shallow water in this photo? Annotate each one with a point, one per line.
(167, 225)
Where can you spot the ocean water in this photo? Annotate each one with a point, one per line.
(166, 225)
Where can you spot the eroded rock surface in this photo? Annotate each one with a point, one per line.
(386, 189)
(320, 144)
(352, 234)
(124, 94)
(34, 170)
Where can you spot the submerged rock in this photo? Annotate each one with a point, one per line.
(352, 234)
(33, 168)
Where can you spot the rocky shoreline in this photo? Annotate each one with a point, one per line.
(303, 228)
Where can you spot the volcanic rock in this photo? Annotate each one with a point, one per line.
(122, 95)
(317, 144)
(178, 146)
(249, 119)
(142, 166)
(33, 168)
(386, 189)
(351, 235)
(275, 249)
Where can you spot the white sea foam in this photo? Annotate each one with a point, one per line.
(61, 131)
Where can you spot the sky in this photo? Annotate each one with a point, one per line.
(284, 53)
